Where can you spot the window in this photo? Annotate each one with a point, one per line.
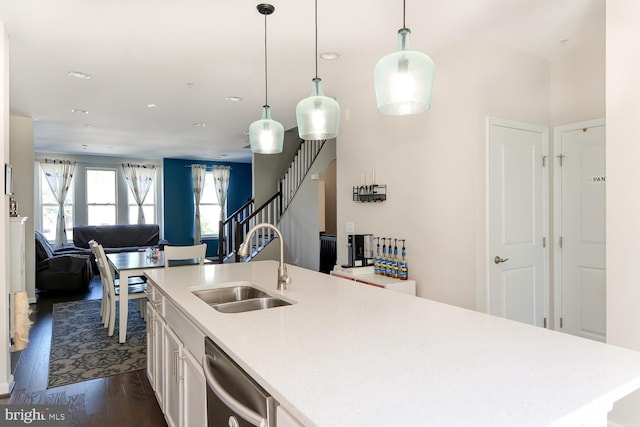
(49, 213)
(209, 208)
(101, 196)
(149, 206)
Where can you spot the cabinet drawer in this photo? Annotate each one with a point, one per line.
(189, 334)
(155, 298)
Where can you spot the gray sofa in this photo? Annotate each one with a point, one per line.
(118, 238)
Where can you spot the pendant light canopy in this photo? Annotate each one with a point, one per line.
(318, 116)
(266, 136)
(404, 79)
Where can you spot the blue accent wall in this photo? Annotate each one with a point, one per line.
(178, 198)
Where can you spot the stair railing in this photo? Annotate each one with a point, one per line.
(226, 235)
(269, 212)
(298, 169)
(233, 230)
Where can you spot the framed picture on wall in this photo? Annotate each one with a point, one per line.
(8, 179)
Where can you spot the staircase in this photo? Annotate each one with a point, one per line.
(233, 230)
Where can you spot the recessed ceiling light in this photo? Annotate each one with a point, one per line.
(79, 75)
(85, 146)
(330, 56)
(199, 124)
(152, 106)
(190, 85)
(234, 98)
(77, 110)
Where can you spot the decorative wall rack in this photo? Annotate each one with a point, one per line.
(370, 193)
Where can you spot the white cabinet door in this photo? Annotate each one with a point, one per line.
(158, 352)
(194, 391)
(172, 390)
(155, 368)
(151, 340)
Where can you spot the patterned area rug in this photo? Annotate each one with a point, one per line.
(81, 349)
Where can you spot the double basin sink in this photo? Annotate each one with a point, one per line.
(239, 299)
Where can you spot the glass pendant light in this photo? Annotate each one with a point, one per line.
(266, 136)
(318, 116)
(404, 79)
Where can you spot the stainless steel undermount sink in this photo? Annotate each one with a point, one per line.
(250, 305)
(238, 299)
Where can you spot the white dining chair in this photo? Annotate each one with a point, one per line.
(103, 307)
(182, 253)
(135, 292)
(135, 280)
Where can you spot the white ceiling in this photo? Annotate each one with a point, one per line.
(140, 52)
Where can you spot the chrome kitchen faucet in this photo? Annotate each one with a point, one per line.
(283, 276)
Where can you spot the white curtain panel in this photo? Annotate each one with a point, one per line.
(139, 178)
(221, 181)
(59, 174)
(198, 173)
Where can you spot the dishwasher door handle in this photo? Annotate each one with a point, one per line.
(246, 413)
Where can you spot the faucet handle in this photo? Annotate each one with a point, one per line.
(283, 278)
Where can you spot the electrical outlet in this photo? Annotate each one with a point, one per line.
(350, 227)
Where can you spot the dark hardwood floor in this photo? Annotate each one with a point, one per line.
(120, 400)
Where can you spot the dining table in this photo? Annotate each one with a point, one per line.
(131, 264)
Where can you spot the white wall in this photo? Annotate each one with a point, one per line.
(434, 163)
(267, 169)
(578, 86)
(300, 224)
(6, 379)
(21, 136)
(623, 196)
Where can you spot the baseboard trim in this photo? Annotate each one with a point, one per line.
(7, 388)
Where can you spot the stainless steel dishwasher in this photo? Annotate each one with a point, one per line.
(234, 399)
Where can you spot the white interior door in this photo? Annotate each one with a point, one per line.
(518, 279)
(579, 225)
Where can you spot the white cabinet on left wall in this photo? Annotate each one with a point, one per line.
(174, 348)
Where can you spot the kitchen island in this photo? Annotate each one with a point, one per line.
(344, 354)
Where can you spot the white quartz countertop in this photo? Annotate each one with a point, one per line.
(346, 354)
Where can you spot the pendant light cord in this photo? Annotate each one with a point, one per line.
(266, 102)
(316, 18)
(404, 13)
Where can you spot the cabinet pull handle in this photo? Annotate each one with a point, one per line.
(181, 367)
(175, 364)
(246, 413)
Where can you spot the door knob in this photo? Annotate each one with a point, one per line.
(498, 260)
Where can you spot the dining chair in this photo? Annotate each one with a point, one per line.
(135, 280)
(135, 292)
(93, 245)
(182, 253)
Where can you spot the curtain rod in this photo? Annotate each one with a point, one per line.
(208, 166)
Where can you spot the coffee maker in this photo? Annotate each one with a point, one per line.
(360, 249)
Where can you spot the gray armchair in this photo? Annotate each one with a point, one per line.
(60, 270)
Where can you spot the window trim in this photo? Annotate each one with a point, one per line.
(216, 235)
(86, 191)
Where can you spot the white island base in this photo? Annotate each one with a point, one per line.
(344, 354)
